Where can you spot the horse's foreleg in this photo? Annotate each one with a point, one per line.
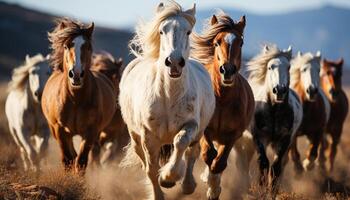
(174, 170)
(333, 147)
(95, 154)
(280, 160)
(208, 152)
(86, 145)
(263, 162)
(24, 138)
(191, 155)
(312, 154)
(151, 148)
(296, 157)
(322, 153)
(65, 142)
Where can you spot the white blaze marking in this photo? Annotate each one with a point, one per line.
(78, 42)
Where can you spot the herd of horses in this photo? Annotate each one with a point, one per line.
(183, 96)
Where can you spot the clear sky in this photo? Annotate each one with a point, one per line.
(123, 13)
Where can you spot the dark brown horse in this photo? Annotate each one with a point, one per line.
(331, 83)
(114, 137)
(305, 80)
(76, 100)
(219, 50)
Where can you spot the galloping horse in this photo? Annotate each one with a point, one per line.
(218, 48)
(165, 98)
(76, 100)
(331, 83)
(114, 136)
(23, 110)
(278, 110)
(305, 80)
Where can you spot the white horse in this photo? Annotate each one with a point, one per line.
(23, 110)
(165, 98)
(278, 114)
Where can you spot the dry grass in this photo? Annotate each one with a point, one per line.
(115, 183)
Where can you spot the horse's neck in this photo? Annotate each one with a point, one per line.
(172, 88)
(29, 100)
(81, 94)
(215, 78)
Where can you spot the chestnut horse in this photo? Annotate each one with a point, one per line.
(218, 48)
(114, 136)
(305, 80)
(331, 83)
(278, 111)
(76, 100)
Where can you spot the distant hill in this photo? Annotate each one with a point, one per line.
(24, 31)
(326, 28)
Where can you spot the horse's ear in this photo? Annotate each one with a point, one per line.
(160, 7)
(213, 20)
(27, 58)
(241, 23)
(289, 51)
(266, 49)
(299, 54)
(61, 25)
(90, 29)
(191, 11)
(340, 62)
(119, 61)
(48, 56)
(318, 54)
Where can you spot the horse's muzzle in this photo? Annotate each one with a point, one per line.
(228, 71)
(312, 91)
(280, 91)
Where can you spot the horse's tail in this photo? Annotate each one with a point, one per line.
(165, 153)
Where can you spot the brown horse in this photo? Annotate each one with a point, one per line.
(305, 80)
(76, 100)
(331, 83)
(114, 136)
(219, 50)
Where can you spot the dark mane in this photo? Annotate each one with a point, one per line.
(65, 31)
(106, 63)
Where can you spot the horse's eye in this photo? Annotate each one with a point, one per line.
(216, 44)
(329, 73)
(242, 43)
(188, 32)
(161, 32)
(270, 68)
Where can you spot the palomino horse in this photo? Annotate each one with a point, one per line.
(76, 100)
(23, 111)
(278, 111)
(114, 136)
(305, 80)
(331, 83)
(218, 48)
(165, 98)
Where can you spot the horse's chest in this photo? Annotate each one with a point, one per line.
(273, 121)
(314, 117)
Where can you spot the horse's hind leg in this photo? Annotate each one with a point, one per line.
(174, 170)
(296, 157)
(315, 140)
(279, 162)
(191, 155)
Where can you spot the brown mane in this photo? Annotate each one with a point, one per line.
(202, 44)
(107, 64)
(65, 31)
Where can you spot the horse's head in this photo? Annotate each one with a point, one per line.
(37, 76)
(227, 50)
(174, 34)
(77, 55)
(310, 74)
(331, 73)
(277, 75)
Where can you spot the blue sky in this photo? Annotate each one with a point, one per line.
(123, 13)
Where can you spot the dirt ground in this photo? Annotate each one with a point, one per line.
(116, 183)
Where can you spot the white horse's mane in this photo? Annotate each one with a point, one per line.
(20, 74)
(257, 67)
(146, 42)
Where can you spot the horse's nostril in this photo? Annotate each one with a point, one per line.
(82, 73)
(315, 90)
(274, 90)
(36, 93)
(71, 74)
(222, 69)
(167, 61)
(182, 62)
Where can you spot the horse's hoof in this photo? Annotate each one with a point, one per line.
(166, 184)
(188, 188)
(308, 165)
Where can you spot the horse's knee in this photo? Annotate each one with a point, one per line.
(218, 166)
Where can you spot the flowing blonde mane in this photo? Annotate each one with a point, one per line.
(296, 63)
(146, 42)
(202, 44)
(66, 30)
(20, 74)
(257, 67)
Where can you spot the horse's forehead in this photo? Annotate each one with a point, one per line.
(279, 61)
(175, 22)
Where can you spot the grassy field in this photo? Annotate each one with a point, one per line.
(115, 183)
